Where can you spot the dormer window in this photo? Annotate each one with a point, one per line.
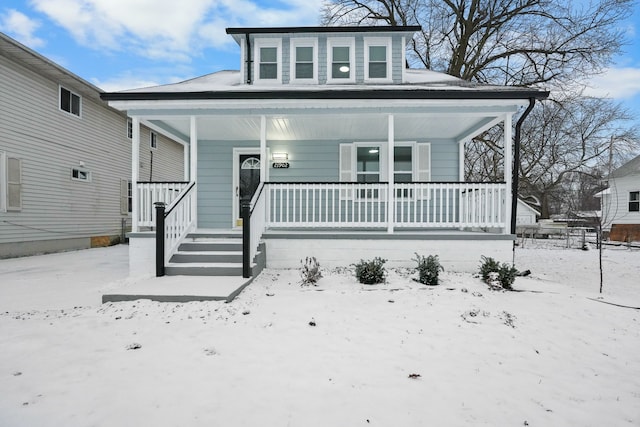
(341, 54)
(304, 66)
(377, 59)
(268, 59)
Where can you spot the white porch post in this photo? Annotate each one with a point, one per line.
(390, 176)
(263, 149)
(135, 172)
(193, 167)
(461, 161)
(185, 156)
(508, 178)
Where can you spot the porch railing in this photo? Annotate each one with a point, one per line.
(415, 205)
(152, 192)
(254, 221)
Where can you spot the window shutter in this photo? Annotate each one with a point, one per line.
(14, 184)
(124, 196)
(346, 168)
(423, 167)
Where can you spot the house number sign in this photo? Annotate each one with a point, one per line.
(281, 165)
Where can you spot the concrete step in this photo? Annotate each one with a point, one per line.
(206, 256)
(224, 245)
(204, 236)
(204, 269)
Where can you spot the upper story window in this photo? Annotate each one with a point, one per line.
(634, 201)
(70, 102)
(341, 60)
(377, 59)
(304, 66)
(268, 60)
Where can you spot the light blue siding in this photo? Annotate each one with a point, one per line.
(286, 59)
(310, 161)
(396, 59)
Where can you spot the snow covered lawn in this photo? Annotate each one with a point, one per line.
(340, 354)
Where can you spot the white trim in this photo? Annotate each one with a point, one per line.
(257, 45)
(349, 42)
(390, 174)
(404, 60)
(377, 41)
(243, 61)
(508, 167)
(135, 171)
(3, 181)
(303, 42)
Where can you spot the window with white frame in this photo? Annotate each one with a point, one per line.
(634, 201)
(70, 102)
(304, 66)
(377, 59)
(365, 163)
(80, 174)
(13, 187)
(267, 54)
(341, 60)
(153, 140)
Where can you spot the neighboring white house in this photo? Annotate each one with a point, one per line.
(620, 203)
(65, 158)
(345, 153)
(525, 214)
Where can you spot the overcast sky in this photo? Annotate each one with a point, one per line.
(123, 44)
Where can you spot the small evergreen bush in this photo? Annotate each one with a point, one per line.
(428, 269)
(371, 272)
(491, 270)
(310, 271)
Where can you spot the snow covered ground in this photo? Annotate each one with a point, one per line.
(397, 354)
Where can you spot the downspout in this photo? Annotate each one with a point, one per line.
(249, 62)
(516, 165)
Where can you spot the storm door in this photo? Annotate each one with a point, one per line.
(247, 180)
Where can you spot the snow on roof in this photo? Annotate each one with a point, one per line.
(632, 167)
(231, 80)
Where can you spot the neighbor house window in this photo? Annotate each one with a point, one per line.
(341, 60)
(14, 184)
(634, 201)
(303, 62)
(70, 102)
(126, 197)
(268, 60)
(129, 128)
(153, 140)
(80, 174)
(377, 59)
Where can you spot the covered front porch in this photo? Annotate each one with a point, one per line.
(330, 168)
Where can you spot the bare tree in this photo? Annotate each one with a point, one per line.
(514, 42)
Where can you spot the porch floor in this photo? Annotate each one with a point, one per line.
(180, 289)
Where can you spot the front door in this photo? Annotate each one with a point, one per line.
(247, 179)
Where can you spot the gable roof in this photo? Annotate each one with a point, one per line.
(632, 167)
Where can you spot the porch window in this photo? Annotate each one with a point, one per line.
(634, 201)
(341, 61)
(403, 169)
(368, 163)
(70, 102)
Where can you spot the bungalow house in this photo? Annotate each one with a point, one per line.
(65, 158)
(620, 203)
(334, 148)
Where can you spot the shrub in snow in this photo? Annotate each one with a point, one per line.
(310, 271)
(428, 269)
(371, 272)
(493, 273)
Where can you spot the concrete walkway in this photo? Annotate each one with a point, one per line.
(87, 277)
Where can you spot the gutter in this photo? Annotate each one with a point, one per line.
(327, 94)
(249, 61)
(516, 164)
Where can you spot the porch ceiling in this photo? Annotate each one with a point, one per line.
(329, 126)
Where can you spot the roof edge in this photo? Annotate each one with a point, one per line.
(328, 94)
(350, 29)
